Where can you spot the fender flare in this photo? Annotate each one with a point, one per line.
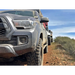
(40, 36)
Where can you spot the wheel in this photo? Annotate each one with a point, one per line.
(46, 48)
(49, 40)
(36, 57)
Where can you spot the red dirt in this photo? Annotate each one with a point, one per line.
(53, 59)
(57, 57)
(49, 58)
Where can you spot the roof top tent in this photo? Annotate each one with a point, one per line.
(29, 8)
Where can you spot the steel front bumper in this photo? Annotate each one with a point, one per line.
(8, 51)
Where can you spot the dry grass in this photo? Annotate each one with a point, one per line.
(65, 58)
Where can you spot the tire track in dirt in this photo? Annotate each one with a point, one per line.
(47, 56)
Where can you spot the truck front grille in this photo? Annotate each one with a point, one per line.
(2, 28)
(2, 31)
(0, 20)
(13, 41)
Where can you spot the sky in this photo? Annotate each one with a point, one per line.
(61, 22)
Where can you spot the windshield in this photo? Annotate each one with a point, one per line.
(23, 13)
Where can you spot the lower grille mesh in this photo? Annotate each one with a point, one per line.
(2, 28)
(13, 41)
(2, 31)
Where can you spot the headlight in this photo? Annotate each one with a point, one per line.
(23, 23)
(22, 40)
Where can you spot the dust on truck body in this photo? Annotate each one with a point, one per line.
(22, 34)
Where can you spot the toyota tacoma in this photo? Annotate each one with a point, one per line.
(22, 33)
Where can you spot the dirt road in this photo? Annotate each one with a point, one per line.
(48, 61)
(53, 57)
(23, 65)
(50, 58)
(47, 56)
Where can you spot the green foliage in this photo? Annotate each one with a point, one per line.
(67, 43)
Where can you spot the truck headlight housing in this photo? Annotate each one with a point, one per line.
(22, 40)
(26, 24)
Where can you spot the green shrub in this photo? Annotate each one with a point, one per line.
(67, 43)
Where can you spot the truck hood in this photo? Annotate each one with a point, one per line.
(17, 17)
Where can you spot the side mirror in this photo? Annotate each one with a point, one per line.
(44, 19)
(36, 17)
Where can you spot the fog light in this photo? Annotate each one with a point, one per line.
(23, 39)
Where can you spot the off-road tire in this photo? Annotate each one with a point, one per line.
(46, 48)
(36, 57)
(49, 40)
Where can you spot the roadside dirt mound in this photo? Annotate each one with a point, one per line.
(58, 57)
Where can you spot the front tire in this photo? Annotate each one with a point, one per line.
(49, 40)
(36, 57)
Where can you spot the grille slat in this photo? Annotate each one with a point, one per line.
(13, 41)
(0, 20)
(2, 29)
